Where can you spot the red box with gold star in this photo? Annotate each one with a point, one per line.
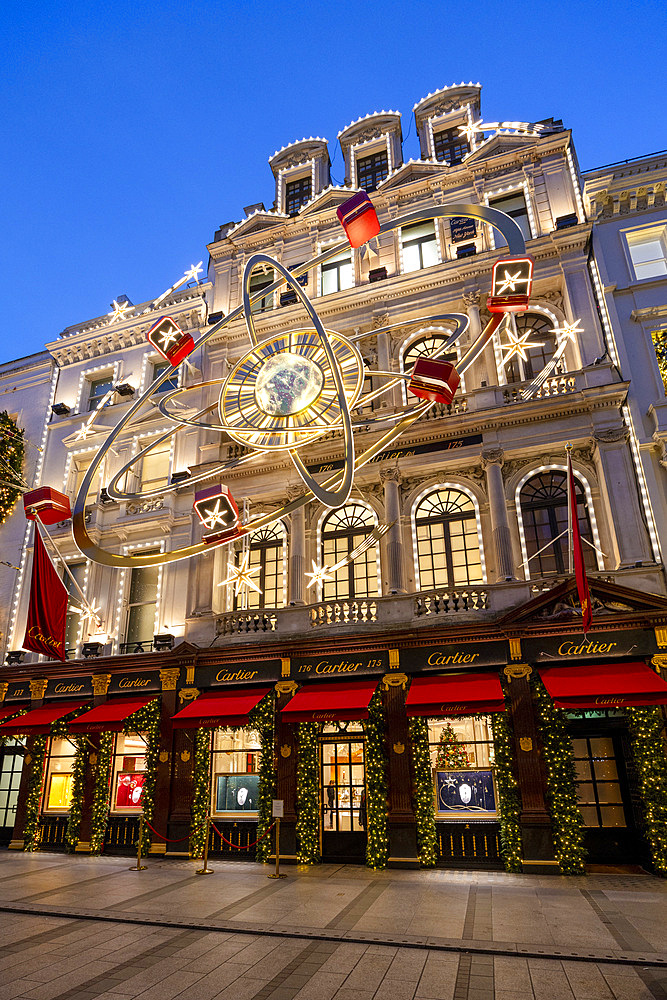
(170, 341)
(216, 509)
(511, 284)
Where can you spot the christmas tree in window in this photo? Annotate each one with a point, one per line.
(451, 751)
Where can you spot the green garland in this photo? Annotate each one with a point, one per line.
(307, 795)
(561, 795)
(422, 800)
(34, 797)
(201, 802)
(377, 843)
(261, 719)
(12, 451)
(99, 814)
(648, 748)
(147, 720)
(509, 796)
(78, 790)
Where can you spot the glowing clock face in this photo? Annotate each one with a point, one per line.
(287, 384)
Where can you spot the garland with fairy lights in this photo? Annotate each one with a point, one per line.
(509, 796)
(261, 719)
(648, 749)
(78, 790)
(377, 843)
(422, 798)
(99, 813)
(201, 799)
(567, 824)
(307, 795)
(146, 721)
(12, 452)
(35, 760)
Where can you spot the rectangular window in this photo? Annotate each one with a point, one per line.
(77, 474)
(129, 772)
(297, 193)
(513, 205)
(450, 146)
(659, 338)
(462, 759)
(338, 273)
(155, 467)
(169, 383)
(97, 388)
(141, 606)
(59, 771)
(419, 246)
(372, 170)
(648, 251)
(598, 786)
(235, 772)
(258, 281)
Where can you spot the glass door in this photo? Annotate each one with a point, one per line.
(343, 798)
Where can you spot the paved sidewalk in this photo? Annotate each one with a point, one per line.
(79, 928)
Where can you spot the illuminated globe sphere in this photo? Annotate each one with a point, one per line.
(287, 384)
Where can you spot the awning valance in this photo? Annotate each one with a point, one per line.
(6, 711)
(455, 694)
(109, 717)
(341, 701)
(604, 685)
(38, 720)
(220, 709)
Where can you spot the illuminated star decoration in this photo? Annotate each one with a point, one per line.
(510, 281)
(167, 338)
(216, 515)
(319, 575)
(89, 613)
(568, 331)
(474, 128)
(118, 310)
(518, 345)
(241, 576)
(193, 272)
(450, 782)
(471, 129)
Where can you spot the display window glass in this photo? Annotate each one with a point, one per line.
(59, 773)
(235, 772)
(462, 760)
(129, 772)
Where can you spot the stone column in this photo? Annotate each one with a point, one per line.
(618, 486)
(471, 300)
(297, 552)
(391, 479)
(402, 825)
(492, 461)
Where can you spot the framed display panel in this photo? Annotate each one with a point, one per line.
(236, 793)
(129, 772)
(59, 773)
(129, 789)
(466, 794)
(59, 793)
(234, 771)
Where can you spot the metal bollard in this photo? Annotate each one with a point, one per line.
(277, 873)
(139, 867)
(206, 870)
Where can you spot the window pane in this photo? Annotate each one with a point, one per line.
(141, 623)
(143, 585)
(155, 467)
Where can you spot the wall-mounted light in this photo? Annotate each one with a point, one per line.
(60, 409)
(14, 657)
(125, 389)
(90, 650)
(179, 477)
(163, 642)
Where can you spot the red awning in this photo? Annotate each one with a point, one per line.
(37, 721)
(6, 711)
(340, 701)
(220, 709)
(455, 694)
(604, 685)
(109, 717)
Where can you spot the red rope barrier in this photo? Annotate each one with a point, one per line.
(172, 840)
(238, 846)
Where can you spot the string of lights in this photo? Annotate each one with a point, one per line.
(307, 795)
(509, 797)
(422, 798)
(648, 749)
(377, 845)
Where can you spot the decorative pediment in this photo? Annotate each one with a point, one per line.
(257, 222)
(414, 170)
(562, 604)
(497, 145)
(331, 198)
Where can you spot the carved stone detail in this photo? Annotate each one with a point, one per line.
(3, 690)
(169, 678)
(380, 320)
(492, 456)
(188, 694)
(390, 474)
(526, 743)
(286, 687)
(394, 680)
(38, 688)
(660, 661)
(101, 684)
(515, 671)
(144, 506)
(472, 298)
(611, 435)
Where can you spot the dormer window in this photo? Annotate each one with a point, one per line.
(372, 170)
(297, 193)
(450, 146)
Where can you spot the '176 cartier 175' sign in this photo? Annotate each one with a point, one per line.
(341, 664)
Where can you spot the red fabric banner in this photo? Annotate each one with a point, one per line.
(47, 611)
(578, 552)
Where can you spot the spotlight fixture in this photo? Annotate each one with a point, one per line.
(14, 657)
(125, 389)
(179, 477)
(163, 642)
(60, 409)
(90, 650)
(566, 221)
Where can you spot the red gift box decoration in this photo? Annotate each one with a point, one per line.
(172, 343)
(51, 505)
(434, 380)
(216, 509)
(359, 219)
(511, 283)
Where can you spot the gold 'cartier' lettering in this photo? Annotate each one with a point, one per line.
(133, 682)
(572, 649)
(68, 688)
(238, 675)
(440, 659)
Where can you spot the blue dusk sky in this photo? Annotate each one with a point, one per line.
(131, 131)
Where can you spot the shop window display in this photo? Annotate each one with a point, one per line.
(598, 786)
(235, 770)
(59, 776)
(462, 760)
(129, 772)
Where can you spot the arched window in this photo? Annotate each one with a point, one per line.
(448, 543)
(543, 500)
(540, 331)
(425, 346)
(267, 552)
(342, 530)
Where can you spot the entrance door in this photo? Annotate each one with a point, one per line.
(11, 765)
(343, 814)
